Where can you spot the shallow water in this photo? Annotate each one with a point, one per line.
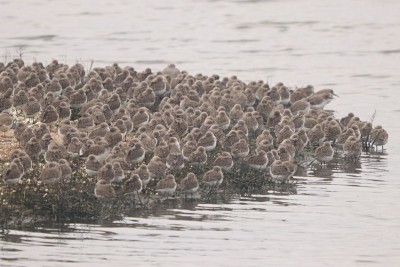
(344, 216)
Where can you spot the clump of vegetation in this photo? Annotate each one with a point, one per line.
(31, 201)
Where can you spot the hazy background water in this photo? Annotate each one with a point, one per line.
(342, 217)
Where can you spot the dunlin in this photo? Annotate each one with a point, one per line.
(274, 118)
(100, 130)
(32, 80)
(188, 148)
(271, 158)
(141, 118)
(119, 172)
(6, 122)
(108, 84)
(87, 148)
(302, 134)
(309, 123)
(20, 99)
(63, 127)
(265, 135)
(98, 115)
(92, 165)
(175, 161)
(231, 138)
(345, 120)
(332, 130)
(25, 136)
(283, 154)
(118, 114)
(68, 92)
(121, 126)
(12, 174)
(379, 136)
(166, 186)
(258, 161)
(25, 160)
(265, 146)
(189, 184)
(171, 70)
(356, 130)
(107, 112)
(51, 173)
(106, 173)
(64, 111)
(324, 153)
(223, 120)
(279, 172)
(122, 96)
(297, 95)
(240, 149)
(283, 134)
(121, 77)
(69, 134)
(198, 157)
(162, 150)
(135, 154)
(236, 113)
(224, 161)
(319, 101)
(147, 98)
(18, 162)
(274, 95)
(301, 105)
(128, 124)
(40, 130)
(213, 177)
(186, 103)
(352, 147)
(144, 174)
(114, 102)
(344, 136)
(54, 87)
(179, 126)
(104, 190)
(316, 135)
(250, 121)
(285, 94)
(133, 185)
(156, 167)
(291, 167)
(148, 142)
(297, 142)
(53, 155)
(208, 141)
(299, 121)
(85, 123)
(50, 115)
(65, 169)
(200, 119)
(32, 108)
(33, 148)
(113, 137)
(265, 108)
(366, 131)
(78, 99)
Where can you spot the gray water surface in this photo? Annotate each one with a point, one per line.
(348, 216)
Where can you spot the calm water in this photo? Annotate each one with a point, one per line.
(341, 217)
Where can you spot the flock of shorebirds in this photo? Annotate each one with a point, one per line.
(131, 127)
